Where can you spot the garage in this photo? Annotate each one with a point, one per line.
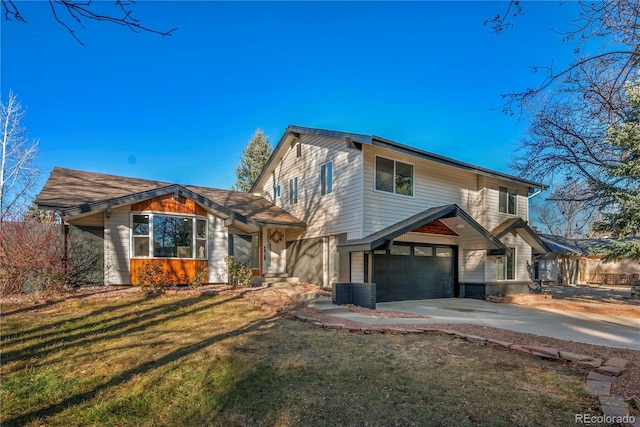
(412, 271)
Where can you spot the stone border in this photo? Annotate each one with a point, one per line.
(601, 376)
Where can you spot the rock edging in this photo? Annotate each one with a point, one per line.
(601, 377)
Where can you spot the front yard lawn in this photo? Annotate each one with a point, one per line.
(218, 360)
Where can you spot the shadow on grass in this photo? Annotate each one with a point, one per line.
(50, 328)
(52, 302)
(138, 370)
(129, 323)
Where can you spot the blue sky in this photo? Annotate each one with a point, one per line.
(181, 108)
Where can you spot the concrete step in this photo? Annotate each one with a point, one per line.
(269, 280)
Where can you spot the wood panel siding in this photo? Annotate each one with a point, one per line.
(337, 212)
(181, 271)
(435, 227)
(167, 203)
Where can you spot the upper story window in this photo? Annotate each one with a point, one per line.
(168, 236)
(293, 191)
(507, 266)
(508, 201)
(394, 177)
(326, 178)
(276, 192)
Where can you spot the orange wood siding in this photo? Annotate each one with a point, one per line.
(435, 227)
(167, 203)
(181, 271)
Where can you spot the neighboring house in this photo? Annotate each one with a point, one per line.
(575, 261)
(328, 207)
(182, 227)
(417, 224)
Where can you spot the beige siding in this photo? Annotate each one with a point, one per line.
(116, 247)
(357, 267)
(472, 264)
(491, 216)
(218, 249)
(334, 213)
(523, 260)
(96, 220)
(434, 185)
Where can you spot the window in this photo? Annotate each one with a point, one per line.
(326, 178)
(444, 252)
(394, 177)
(400, 250)
(507, 266)
(168, 236)
(423, 251)
(140, 235)
(276, 192)
(293, 191)
(508, 201)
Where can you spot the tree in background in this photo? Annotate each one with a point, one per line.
(68, 12)
(568, 218)
(574, 109)
(254, 156)
(18, 172)
(620, 192)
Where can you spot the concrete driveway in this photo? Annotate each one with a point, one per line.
(598, 329)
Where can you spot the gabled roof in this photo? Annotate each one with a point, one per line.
(528, 234)
(356, 140)
(384, 237)
(78, 192)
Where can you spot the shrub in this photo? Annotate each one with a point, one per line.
(238, 273)
(154, 275)
(200, 278)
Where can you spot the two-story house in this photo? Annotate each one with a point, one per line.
(328, 207)
(417, 224)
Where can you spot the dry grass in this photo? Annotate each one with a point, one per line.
(218, 360)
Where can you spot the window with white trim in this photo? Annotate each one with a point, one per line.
(393, 176)
(276, 192)
(326, 178)
(508, 201)
(156, 235)
(507, 266)
(293, 191)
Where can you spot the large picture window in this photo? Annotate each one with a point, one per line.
(394, 177)
(168, 236)
(508, 201)
(507, 266)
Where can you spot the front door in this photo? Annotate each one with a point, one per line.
(275, 255)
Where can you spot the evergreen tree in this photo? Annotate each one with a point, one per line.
(254, 156)
(621, 196)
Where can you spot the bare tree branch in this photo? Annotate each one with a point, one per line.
(77, 11)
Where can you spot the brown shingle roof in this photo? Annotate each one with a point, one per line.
(68, 188)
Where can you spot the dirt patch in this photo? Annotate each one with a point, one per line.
(616, 301)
